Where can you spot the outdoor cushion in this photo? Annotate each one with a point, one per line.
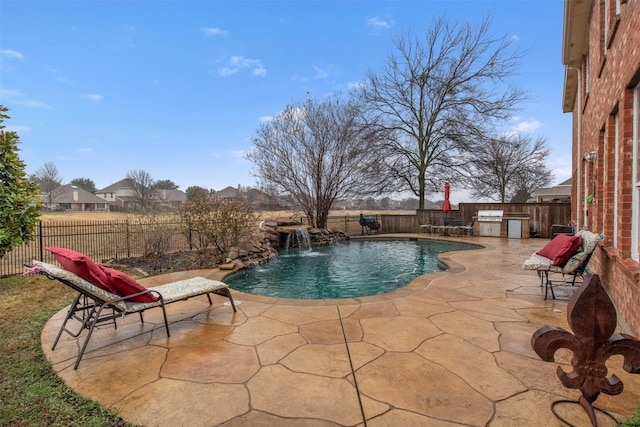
(125, 286)
(561, 248)
(589, 240)
(82, 266)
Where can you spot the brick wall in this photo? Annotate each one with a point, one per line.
(613, 61)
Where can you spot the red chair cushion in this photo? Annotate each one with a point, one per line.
(125, 285)
(561, 248)
(82, 266)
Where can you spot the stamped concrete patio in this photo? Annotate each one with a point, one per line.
(450, 349)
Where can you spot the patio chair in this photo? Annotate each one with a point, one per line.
(573, 263)
(466, 229)
(94, 305)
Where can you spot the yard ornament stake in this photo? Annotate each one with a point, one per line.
(592, 318)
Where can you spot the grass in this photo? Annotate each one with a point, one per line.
(633, 421)
(30, 391)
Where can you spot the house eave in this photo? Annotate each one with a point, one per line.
(574, 47)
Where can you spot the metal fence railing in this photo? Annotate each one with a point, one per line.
(101, 240)
(116, 239)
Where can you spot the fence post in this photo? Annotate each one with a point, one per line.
(40, 244)
(128, 238)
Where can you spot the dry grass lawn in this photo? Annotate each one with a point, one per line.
(108, 216)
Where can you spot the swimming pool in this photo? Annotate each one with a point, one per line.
(348, 269)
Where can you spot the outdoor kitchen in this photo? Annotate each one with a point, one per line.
(497, 223)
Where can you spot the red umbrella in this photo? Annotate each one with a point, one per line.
(446, 206)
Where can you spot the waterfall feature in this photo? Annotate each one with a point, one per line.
(298, 238)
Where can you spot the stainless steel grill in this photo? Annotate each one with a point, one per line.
(490, 216)
(490, 222)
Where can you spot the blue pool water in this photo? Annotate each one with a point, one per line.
(352, 268)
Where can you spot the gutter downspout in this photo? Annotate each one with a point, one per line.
(580, 196)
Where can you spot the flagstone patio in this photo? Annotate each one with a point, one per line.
(450, 349)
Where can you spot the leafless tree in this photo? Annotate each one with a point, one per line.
(143, 185)
(438, 95)
(504, 167)
(49, 181)
(215, 223)
(318, 152)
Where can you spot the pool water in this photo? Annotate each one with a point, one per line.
(348, 269)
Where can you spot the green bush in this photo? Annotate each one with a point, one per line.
(19, 197)
(633, 421)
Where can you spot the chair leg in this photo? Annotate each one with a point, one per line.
(548, 285)
(225, 292)
(92, 319)
(70, 313)
(541, 276)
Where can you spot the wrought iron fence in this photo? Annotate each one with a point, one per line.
(101, 240)
(114, 239)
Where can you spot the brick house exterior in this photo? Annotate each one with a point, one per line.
(601, 55)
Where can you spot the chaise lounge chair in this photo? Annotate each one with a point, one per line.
(569, 255)
(94, 305)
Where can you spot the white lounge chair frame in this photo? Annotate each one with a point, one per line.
(575, 266)
(94, 305)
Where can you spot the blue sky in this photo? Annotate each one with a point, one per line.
(178, 88)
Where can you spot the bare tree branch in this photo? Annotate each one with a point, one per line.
(318, 152)
(437, 96)
(504, 167)
(49, 180)
(143, 185)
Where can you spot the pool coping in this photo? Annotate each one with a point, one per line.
(418, 284)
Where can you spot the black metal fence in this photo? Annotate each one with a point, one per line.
(101, 240)
(114, 239)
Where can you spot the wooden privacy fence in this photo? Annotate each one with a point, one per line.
(115, 239)
(541, 215)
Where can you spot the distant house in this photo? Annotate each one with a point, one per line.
(260, 200)
(121, 195)
(72, 198)
(230, 193)
(171, 198)
(559, 193)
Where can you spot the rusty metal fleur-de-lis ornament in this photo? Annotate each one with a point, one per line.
(592, 317)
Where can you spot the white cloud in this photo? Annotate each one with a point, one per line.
(18, 98)
(214, 31)
(527, 126)
(84, 150)
(226, 71)
(237, 63)
(11, 54)
(259, 71)
(32, 103)
(380, 23)
(322, 74)
(93, 96)
(264, 119)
